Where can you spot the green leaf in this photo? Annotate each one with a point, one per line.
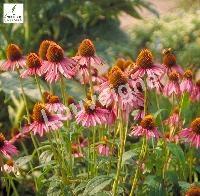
(127, 157)
(20, 162)
(158, 112)
(97, 184)
(184, 185)
(54, 188)
(178, 153)
(45, 157)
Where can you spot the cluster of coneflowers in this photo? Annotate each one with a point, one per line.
(112, 94)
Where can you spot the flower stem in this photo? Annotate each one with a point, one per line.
(121, 150)
(39, 87)
(141, 156)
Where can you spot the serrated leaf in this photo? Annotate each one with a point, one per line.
(97, 184)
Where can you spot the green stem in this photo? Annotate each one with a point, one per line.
(141, 156)
(121, 150)
(39, 87)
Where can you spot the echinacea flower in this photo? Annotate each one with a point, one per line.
(104, 149)
(145, 67)
(192, 134)
(43, 49)
(6, 148)
(187, 83)
(82, 142)
(174, 119)
(118, 91)
(53, 104)
(43, 121)
(10, 167)
(147, 128)
(91, 115)
(195, 95)
(169, 61)
(33, 63)
(140, 113)
(173, 86)
(87, 60)
(15, 60)
(75, 151)
(194, 190)
(124, 65)
(171, 138)
(57, 65)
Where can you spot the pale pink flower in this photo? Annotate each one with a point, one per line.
(172, 138)
(75, 151)
(15, 60)
(87, 59)
(195, 95)
(192, 134)
(169, 61)
(147, 69)
(57, 65)
(104, 150)
(187, 83)
(33, 63)
(147, 128)
(6, 148)
(10, 167)
(174, 119)
(173, 86)
(44, 121)
(91, 115)
(140, 114)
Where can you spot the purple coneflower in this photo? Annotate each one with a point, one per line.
(104, 149)
(118, 91)
(44, 121)
(57, 64)
(195, 95)
(173, 86)
(174, 119)
(33, 63)
(192, 134)
(15, 60)
(9, 167)
(187, 83)
(91, 115)
(147, 128)
(169, 61)
(145, 67)
(193, 191)
(6, 148)
(75, 151)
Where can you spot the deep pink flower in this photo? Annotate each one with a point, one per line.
(33, 63)
(192, 134)
(57, 64)
(15, 60)
(169, 61)
(187, 84)
(91, 115)
(44, 121)
(117, 91)
(6, 148)
(147, 128)
(173, 86)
